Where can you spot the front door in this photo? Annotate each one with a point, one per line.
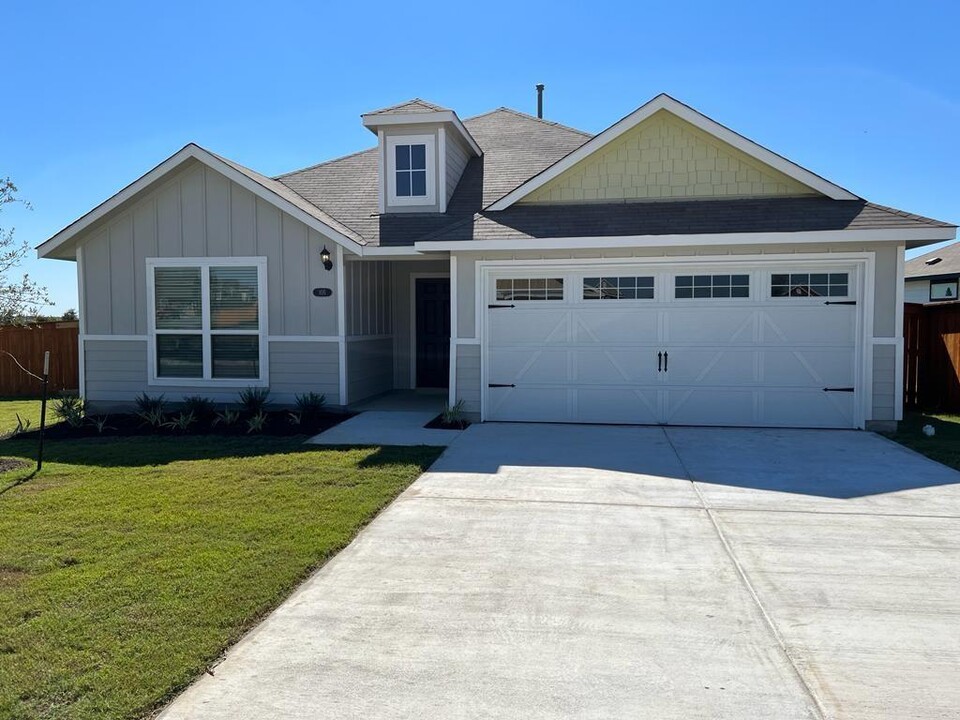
(433, 332)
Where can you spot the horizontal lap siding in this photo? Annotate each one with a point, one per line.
(468, 377)
(884, 381)
(117, 373)
(369, 368)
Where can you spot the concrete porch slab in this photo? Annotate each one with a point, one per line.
(387, 427)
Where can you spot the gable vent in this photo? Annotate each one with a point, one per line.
(933, 261)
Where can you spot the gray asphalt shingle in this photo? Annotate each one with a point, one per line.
(948, 263)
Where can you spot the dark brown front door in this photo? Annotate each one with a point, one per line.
(433, 332)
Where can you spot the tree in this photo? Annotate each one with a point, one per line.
(70, 315)
(19, 297)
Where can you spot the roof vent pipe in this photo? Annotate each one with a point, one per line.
(540, 100)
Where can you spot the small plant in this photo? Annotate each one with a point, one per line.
(453, 414)
(202, 408)
(254, 400)
(147, 404)
(311, 404)
(70, 409)
(256, 422)
(295, 417)
(227, 417)
(100, 423)
(22, 425)
(152, 418)
(181, 421)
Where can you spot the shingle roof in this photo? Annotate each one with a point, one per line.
(949, 263)
(515, 146)
(410, 106)
(679, 217)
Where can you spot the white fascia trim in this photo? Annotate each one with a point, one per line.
(82, 328)
(452, 379)
(374, 122)
(397, 253)
(341, 327)
(626, 241)
(898, 332)
(46, 249)
(685, 112)
(442, 168)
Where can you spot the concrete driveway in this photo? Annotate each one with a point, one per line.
(543, 571)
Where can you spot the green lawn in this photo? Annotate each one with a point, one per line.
(128, 565)
(27, 409)
(943, 447)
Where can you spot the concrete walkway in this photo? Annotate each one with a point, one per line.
(616, 572)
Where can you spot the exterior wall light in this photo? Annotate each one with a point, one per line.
(325, 258)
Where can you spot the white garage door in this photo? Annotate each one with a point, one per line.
(772, 345)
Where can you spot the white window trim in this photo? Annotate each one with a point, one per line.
(430, 147)
(208, 381)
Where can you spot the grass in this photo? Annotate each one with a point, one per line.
(128, 565)
(28, 409)
(943, 447)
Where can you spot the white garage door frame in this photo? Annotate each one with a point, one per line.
(864, 262)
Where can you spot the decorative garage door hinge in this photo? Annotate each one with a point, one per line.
(501, 385)
(495, 307)
(840, 302)
(847, 389)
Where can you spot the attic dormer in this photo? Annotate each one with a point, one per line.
(423, 150)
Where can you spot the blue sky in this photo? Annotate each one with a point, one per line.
(95, 94)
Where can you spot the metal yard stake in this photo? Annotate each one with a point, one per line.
(43, 407)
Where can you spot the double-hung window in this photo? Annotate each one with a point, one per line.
(208, 321)
(410, 170)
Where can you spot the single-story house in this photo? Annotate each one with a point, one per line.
(933, 277)
(665, 271)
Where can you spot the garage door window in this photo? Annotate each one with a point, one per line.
(618, 288)
(810, 285)
(530, 289)
(712, 286)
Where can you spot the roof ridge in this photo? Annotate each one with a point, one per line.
(322, 163)
(526, 116)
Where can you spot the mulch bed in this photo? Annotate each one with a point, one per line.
(8, 464)
(278, 424)
(438, 424)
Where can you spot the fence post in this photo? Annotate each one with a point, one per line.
(43, 407)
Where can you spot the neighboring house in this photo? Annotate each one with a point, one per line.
(667, 270)
(933, 277)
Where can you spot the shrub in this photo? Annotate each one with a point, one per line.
(100, 423)
(152, 418)
(227, 417)
(257, 422)
(147, 404)
(254, 400)
(22, 425)
(295, 417)
(311, 404)
(182, 421)
(453, 414)
(200, 407)
(70, 409)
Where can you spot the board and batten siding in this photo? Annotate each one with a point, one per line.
(468, 377)
(200, 213)
(369, 299)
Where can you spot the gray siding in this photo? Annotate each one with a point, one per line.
(468, 377)
(456, 160)
(884, 381)
(369, 368)
(200, 213)
(117, 373)
(369, 299)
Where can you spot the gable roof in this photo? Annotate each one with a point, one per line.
(947, 263)
(685, 112)
(515, 146)
(272, 191)
(416, 105)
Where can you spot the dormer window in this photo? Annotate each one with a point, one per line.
(411, 178)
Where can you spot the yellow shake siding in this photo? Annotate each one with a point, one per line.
(666, 157)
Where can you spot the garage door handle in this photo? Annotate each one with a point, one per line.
(501, 385)
(496, 307)
(659, 362)
(845, 389)
(840, 302)
(666, 359)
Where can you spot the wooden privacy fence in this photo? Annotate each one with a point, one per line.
(931, 357)
(27, 343)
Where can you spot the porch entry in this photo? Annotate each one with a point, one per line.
(432, 332)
